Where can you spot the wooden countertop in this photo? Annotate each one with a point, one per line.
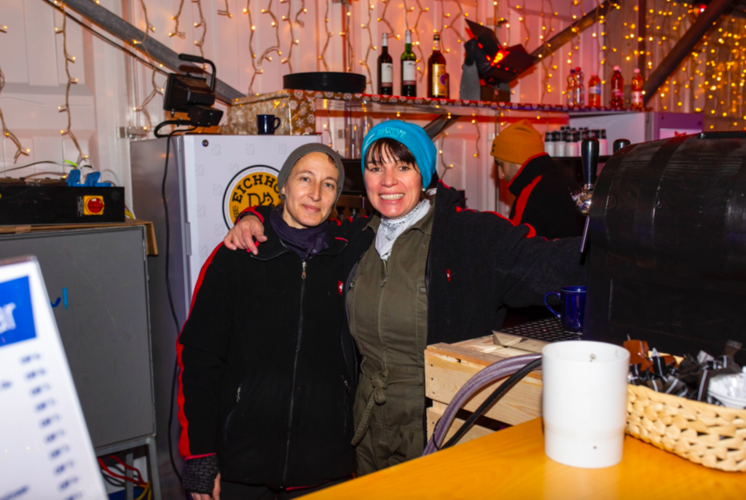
(511, 464)
(152, 246)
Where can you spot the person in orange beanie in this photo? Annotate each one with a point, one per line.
(543, 195)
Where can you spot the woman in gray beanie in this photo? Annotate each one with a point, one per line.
(265, 401)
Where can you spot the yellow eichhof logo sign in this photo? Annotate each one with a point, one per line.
(252, 186)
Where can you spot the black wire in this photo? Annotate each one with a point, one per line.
(178, 123)
(171, 302)
(491, 399)
(118, 483)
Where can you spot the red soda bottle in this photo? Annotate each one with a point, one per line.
(594, 91)
(637, 103)
(617, 89)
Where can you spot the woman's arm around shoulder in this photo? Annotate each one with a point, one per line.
(529, 265)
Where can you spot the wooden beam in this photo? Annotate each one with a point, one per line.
(705, 21)
(159, 52)
(582, 24)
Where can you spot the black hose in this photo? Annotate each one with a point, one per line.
(491, 399)
(179, 122)
(171, 301)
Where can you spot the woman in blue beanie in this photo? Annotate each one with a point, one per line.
(420, 272)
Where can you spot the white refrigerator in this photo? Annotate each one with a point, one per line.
(210, 179)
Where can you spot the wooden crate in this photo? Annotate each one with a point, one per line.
(449, 366)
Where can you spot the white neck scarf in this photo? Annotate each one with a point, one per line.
(390, 229)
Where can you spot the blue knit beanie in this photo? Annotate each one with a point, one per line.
(414, 138)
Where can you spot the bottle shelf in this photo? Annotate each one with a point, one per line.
(301, 110)
(424, 104)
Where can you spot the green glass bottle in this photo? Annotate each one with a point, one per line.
(408, 68)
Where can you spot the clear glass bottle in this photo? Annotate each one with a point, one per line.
(579, 87)
(570, 93)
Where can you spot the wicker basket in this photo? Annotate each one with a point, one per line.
(713, 436)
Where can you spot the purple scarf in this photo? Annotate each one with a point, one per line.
(304, 242)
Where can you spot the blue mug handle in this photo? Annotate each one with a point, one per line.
(276, 122)
(550, 307)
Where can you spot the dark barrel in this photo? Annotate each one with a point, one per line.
(668, 244)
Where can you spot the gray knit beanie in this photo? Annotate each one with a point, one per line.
(302, 151)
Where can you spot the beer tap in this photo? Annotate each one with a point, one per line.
(619, 144)
(589, 156)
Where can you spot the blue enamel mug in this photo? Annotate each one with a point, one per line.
(572, 307)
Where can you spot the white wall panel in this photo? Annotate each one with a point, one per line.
(13, 51)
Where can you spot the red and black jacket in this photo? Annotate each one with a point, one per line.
(267, 372)
(544, 199)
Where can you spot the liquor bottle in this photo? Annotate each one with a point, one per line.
(637, 90)
(617, 89)
(594, 91)
(571, 88)
(603, 147)
(579, 87)
(408, 68)
(560, 145)
(436, 71)
(549, 143)
(385, 69)
(572, 148)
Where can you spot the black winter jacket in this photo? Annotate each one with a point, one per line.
(544, 199)
(477, 262)
(266, 371)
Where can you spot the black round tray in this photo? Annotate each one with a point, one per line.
(325, 81)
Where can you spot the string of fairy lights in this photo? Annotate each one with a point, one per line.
(69, 59)
(371, 48)
(293, 41)
(329, 36)
(711, 80)
(347, 36)
(226, 11)
(449, 23)
(155, 88)
(201, 23)
(416, 32)
(275, 25)
(546, 87)
(6, 131)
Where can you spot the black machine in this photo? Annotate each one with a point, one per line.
(54, 202)
(489, 67)
(667, 236)
(192, 95)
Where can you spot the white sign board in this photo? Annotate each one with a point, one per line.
(45, 449)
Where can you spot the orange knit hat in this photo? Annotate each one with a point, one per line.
(517, 143)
